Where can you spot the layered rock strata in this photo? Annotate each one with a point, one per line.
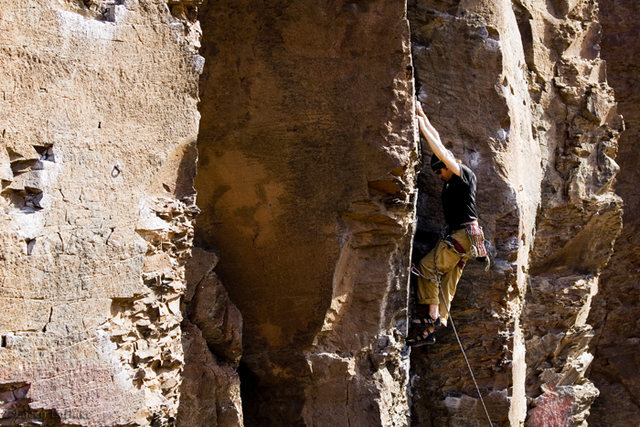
(306, 184)
(97, 157)
(518, 91)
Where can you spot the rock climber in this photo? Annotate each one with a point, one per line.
(442, 267)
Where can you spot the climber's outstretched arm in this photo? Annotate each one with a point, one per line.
(433, 138)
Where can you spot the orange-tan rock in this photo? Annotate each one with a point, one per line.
(286, 301)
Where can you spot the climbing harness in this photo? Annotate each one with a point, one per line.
(417, 272)
(456, 247)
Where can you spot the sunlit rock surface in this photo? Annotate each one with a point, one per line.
(97, 156)
(285, 301)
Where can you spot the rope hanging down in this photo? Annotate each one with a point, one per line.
(417, 272)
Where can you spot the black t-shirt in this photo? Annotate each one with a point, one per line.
(459, 198)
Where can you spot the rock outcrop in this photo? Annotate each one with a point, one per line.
(286, 302)
(519, 93)
(98, 128)
(306, 185)
(212, 345)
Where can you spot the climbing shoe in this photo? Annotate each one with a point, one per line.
(424, 322)
(422, 339)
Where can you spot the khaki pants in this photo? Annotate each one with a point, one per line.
(450, 264)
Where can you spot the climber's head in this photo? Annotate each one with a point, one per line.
(440, 168)
(436, 163)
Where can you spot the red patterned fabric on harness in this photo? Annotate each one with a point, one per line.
(458, 248)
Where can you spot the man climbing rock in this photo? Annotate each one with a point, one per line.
(442, 267)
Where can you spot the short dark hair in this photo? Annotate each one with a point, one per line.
(436, 163)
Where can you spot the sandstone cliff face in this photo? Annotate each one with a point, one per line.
(518, 91)
(305, 181)
(97, 156)
(287, 302)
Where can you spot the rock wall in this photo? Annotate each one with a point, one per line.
(518, 91)
(212, 345)
(472, 76)
(292, 307)
(615, 366)
(578, 220)
(306, 185)
(97, 156)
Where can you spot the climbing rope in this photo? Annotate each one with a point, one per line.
(417, 272)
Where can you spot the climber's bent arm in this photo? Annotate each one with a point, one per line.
(433, 138)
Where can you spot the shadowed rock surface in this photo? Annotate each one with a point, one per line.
(615, 315)
(306, 185)
(212, 344)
